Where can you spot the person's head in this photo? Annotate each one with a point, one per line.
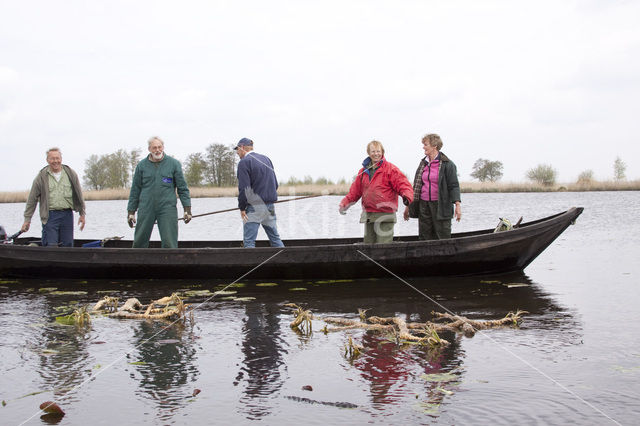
(375, 150)
(244, 145)
(54, 158)
(432, 144)
(156, 148)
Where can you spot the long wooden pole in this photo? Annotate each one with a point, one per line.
(236, 208)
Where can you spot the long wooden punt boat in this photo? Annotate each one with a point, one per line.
(468, 253)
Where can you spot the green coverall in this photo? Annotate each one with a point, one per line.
(153, 194)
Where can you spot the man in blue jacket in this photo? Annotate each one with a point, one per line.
(257, 186)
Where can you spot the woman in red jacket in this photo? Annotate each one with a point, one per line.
(378, 183)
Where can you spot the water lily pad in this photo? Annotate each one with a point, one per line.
(224, 292)
(490, 282)
(515, 285)
(47, 289)
(334, 281)
(238, 285)
(138, 363)
(266, 284)
(244, 299)
(194, 293)
(298, 289)
(69, 293)
(440, 377)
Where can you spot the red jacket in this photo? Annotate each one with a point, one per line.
(380, 194)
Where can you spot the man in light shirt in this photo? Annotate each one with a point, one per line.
(57, 189)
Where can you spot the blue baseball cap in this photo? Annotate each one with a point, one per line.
(244, 142)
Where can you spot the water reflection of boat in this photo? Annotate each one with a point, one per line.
(469, 253)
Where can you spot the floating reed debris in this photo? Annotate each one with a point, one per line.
(426, 333)
(167, 308)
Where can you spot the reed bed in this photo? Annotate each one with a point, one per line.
(342, 189)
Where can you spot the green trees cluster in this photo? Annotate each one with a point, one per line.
(214, 167)
(542, 174)
(486, 170)
(113, 170)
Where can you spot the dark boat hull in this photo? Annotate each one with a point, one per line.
(481, 252)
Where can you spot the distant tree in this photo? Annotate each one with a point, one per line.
(585, 177)
(117, 165)
(323, 181)
(307, 180)
(619, 169)
(221, 165)
(484, 170)
(134, 159)
(195, 167)
(543, 174)
(342, 181)
(95, 176)
(294, 181)
(107, 171)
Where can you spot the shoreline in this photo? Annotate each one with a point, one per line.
(342, 189)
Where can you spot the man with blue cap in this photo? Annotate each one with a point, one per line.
(257, 191)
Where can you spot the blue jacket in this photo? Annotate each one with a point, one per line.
(256, 178)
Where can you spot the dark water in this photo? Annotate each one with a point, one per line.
(576, 356)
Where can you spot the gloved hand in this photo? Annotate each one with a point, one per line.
(187, 214)
(131, 219)
(342, 210)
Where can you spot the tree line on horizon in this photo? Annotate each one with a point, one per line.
(216, 167)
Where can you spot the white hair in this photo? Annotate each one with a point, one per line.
(53, 148)
(154, 138)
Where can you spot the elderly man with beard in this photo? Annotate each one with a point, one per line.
(153, 195)
(57, 189)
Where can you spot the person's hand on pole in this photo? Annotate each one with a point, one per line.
(243, 215)
(81, 222)
(187, 214)
(131, 219)
(25, 226)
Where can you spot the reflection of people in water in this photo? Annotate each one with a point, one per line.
(170, 366)
(262, 351)
(386, 366)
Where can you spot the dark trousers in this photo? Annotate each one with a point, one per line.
(429, 226)
(58, 231)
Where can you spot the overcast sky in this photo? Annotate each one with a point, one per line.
(524, 83)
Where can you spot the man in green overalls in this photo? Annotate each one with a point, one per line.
(153, 195)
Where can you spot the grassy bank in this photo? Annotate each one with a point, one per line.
(341, 189)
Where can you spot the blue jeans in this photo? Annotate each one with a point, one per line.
(58, 231)
(264, 215)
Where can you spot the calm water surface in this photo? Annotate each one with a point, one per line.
(575, 358)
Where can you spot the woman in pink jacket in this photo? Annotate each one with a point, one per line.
(378, 183)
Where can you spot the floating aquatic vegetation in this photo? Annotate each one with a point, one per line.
(194, 293)
(68, 293)
(303, 319)
(298, 289)
(9, 281)
(490, 282)
(440, 377)
(515, 285)
(224, 292)
(266, 284)
(237, 285)
(352, 350)
(244, 299)
(47, 289)
(137, 363)
(169, 307)
(334, 281)
(78, 317)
